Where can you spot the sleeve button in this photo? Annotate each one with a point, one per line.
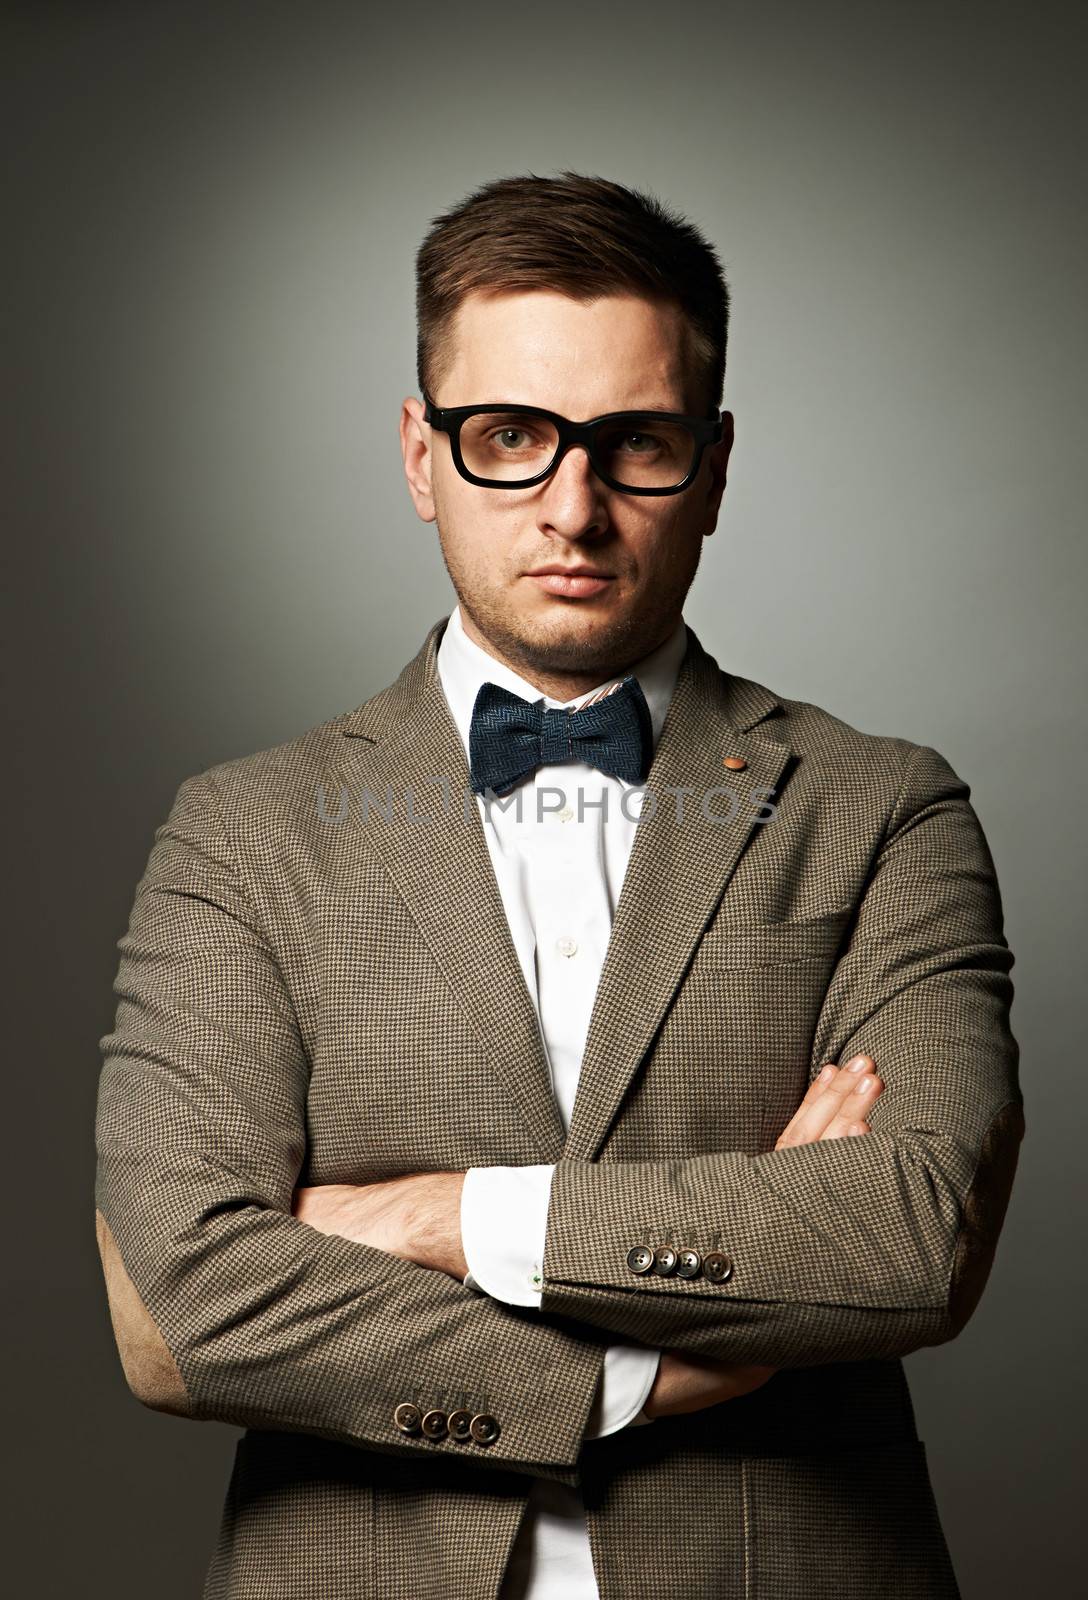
(689, 1264)
(717, 1266)
(459, 1425)
(640, 1258)
(665, 1259)
(484, 1428)
(408, 1417)
(434, 1424)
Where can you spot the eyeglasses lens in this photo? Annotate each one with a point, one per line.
(510, 448)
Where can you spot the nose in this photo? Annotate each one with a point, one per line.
(572, 503)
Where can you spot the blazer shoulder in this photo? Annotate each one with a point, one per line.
(890, 767)
(282, 769)
(815, 731)
(293, 767)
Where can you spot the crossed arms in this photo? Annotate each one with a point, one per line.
(226, 1306)
(418, 1217)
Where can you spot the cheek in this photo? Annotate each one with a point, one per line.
(667, 557)
(474, 545)
(486, 521)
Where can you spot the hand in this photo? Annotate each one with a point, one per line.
(417, 1217)
(691, 1383)
(832, 1108)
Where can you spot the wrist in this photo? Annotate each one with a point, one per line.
(436, 1225)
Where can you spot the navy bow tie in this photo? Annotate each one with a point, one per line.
(510, 737)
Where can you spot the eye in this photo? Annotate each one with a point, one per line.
(507, 438)
(647, 441)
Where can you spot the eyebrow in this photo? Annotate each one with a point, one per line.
(677, 411)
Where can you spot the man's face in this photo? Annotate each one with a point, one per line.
(541, 348)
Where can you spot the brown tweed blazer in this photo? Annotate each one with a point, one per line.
(318, 985)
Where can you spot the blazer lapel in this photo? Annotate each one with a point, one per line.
(680, 865)
(403, 744)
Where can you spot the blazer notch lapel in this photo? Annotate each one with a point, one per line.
(405, 785)
(687, 845)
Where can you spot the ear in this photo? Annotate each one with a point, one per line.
(415, 443)
(718, 457)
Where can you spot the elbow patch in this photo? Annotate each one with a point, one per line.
(984, 1209)
(149, 1367)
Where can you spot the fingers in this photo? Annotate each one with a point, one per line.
(852, 1092)
(686, 1383)
(836, 1104)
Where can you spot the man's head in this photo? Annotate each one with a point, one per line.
(581, 297)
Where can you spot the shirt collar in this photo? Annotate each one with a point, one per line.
(463, 666)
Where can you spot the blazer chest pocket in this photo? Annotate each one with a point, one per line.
(743, 946)
(731, 1061)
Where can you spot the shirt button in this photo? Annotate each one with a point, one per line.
(565, 945)
(565, 815)
(535, 1279)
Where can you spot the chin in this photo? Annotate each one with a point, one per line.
(568, 635)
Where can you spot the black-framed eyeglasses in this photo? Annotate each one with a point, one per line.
(516, 446)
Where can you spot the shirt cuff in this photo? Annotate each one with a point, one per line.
(628, 1376)
(504, 1218)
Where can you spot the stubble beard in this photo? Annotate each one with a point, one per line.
(547, 647)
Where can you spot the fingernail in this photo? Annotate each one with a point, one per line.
(826, 1075)
(864, 1086)
(858, 1064)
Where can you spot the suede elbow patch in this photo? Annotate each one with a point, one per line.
(149, 1367)
(984, 1211)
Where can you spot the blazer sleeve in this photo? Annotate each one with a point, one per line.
(504, 1212)
(224, 1306)
(846, 1249)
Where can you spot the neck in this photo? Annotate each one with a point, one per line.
(563, 683)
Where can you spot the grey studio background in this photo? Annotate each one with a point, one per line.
(212, 215)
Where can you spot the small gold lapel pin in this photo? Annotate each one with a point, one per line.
(734, 763)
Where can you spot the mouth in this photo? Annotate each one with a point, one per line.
(573, 583)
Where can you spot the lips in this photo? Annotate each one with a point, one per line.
(572, 584)
(570, 572)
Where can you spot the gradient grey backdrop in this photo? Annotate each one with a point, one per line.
(211, 229)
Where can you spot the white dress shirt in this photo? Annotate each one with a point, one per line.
(559, 843)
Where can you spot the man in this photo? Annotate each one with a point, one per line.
(547, 1102)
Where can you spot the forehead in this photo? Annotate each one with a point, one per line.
(538, 347)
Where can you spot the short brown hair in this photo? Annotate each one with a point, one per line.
(580, 236)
